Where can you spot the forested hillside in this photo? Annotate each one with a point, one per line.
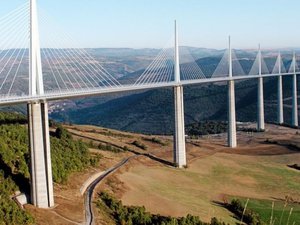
(67, 155)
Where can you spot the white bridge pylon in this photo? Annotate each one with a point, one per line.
(37, 67)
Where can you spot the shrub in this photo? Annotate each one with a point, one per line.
(10, 212)
(61, 133)
(139, 145)
(108, 147)
(155, 140)
(250, 217)
(206, 127)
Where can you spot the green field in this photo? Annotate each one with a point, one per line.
(281, 211)
(213, 179)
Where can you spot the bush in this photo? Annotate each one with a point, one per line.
(139, 145)
(138, 216)
(295, 166)
(10, 212)
(107, 147)
(62, 133)
(155, 140)
(12, 118)
(206, 127)
(250, 217)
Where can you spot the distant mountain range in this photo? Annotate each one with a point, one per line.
(152, 111)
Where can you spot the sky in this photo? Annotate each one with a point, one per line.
(150, 23)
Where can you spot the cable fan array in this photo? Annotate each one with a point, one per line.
(66, 67)
(69, 68)
(14, 54)
(294, 66)
(189, 69)
(222, 70)
(161, 70)
(162, 67)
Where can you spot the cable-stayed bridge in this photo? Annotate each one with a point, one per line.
(69, 71)
(40, 62)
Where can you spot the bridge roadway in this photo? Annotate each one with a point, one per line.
(61, 95)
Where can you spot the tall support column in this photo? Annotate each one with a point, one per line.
(179, 138)
(41, 170)
(179, 145)
(231, 106)
(295, 95)
(260, 97)
(279, 95)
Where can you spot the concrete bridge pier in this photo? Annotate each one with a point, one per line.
(260, 105)
(279, 101)
(179, 137)
(231, 115)
(295, 95)
(41, 170)
(295, 102)
(260, 95)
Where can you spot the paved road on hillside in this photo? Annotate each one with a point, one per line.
(89, 217)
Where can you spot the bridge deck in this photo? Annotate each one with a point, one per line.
(55, 95)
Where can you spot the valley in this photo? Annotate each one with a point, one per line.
(215, 174)
(138, 143)
(114, 113)
(151, 111)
